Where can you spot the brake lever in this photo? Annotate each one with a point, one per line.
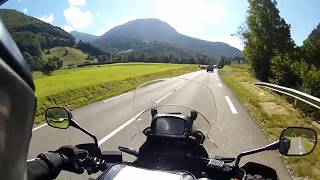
(224, 159)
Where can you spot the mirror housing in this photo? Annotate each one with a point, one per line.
(58, 117)
(53, 115)
(297, 141)
(288, 139)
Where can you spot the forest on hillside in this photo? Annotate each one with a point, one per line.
(273, 55)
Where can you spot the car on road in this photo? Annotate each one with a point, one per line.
(210, 68)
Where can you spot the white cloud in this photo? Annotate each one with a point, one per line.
(77, 2)
(105, 28)
(47, 18)
(190, 17)
(67, 28)
(231, 40)
(110, 24)
(19, 0)
(24, 10)
(76, 18)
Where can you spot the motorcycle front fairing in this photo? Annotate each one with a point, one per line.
(123, 172)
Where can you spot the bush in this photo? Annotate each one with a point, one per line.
(283, 73)
(311, 82)
(49, 67)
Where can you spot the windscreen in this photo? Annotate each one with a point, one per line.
(175, 96)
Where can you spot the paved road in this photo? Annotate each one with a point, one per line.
(111, 121)
(296, 146)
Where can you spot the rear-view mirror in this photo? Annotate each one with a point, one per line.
(58, 117)
(297, 141)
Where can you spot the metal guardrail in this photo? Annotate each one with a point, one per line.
(304, 97)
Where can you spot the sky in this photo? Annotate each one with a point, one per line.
(213, 20)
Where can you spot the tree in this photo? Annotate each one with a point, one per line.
(221, 62)
(66, 53)
(35, 63)
(283, 73)
(48, 68)
(311, 47)
(265, 34)
(57, 61)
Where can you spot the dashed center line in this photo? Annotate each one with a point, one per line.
(179, 87)
(219, 85)
(114, 132)
(116, 97)
(231, 106)
(164, 97)
(38, 127)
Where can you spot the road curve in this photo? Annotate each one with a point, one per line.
(111, 120)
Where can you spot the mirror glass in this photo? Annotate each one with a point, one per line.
(297, 141)
(57, 117)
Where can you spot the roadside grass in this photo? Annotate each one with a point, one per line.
(74, 56)
(239, 79)
(74, 88)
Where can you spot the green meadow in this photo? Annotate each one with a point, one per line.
(76, 87)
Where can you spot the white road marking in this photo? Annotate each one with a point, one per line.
(219, 85)
(164, 97)
(114, 132)
(231, 106)
(179, 87)
(116, 97)
(38, 127)
(43, 125)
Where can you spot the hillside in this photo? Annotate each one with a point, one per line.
(311, 49)
(69, 56)
(160, 48)
(23, 27)
(126, 36)
(83, 36)
(33, 35)
(315, 34)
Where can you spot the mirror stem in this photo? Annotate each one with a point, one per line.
(76, 125)
(269, 147)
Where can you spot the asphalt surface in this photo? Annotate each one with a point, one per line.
(112, 121)
(296, 146)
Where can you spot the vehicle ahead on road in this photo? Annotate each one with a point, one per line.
(172, 140)
(210, 68)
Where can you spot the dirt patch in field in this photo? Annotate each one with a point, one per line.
(272, 108)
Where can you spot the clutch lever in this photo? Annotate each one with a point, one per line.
(129, 151)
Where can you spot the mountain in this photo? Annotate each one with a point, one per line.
(126, 36)
(160, 48)
(83, 36)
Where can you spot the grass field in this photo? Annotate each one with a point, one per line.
(64, 80)
(74, 56)
(73, 88)
(239, 79)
